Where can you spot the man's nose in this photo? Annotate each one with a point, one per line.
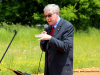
(47, 18)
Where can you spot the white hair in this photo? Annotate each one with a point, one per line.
(55, 8)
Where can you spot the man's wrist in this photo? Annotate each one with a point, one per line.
(50, 37)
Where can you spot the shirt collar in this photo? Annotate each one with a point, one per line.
(56, 23)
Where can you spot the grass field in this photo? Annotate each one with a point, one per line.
(24, 52)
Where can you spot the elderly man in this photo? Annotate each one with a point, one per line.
(57, 43)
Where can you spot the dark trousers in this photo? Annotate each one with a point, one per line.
(47, 69)
(47, 72)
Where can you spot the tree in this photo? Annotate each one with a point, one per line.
(82, 13)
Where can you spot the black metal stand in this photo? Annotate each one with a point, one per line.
(8, 45)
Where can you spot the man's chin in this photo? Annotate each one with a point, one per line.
(50, 23)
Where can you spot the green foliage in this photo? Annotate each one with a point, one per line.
(68, 13)
(82, 13)
(39, 17)
(88, 10)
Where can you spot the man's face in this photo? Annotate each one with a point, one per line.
(50, 17)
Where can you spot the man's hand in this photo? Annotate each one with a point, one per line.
(43, 36)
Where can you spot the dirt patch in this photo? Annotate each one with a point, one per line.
(87, 71)
(84, 71)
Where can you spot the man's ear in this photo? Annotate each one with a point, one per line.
(57, 13)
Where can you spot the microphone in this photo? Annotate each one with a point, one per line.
(45, 27)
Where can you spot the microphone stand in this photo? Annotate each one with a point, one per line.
(9, 45)
(16, 72)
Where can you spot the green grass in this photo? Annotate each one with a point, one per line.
(87, 49)
(24, 53)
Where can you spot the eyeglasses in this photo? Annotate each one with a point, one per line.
(45, 16)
